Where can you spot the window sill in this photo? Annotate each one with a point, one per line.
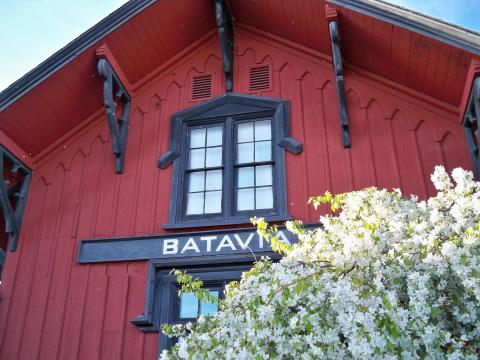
(222, 222)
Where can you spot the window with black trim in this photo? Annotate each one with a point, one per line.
(229, 161)
(180, 308)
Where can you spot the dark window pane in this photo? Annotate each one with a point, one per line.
(214, 180)
(245, 132)
(245, 199)
(245, 153)
(214, 136)
(263, 151)
(188, 306)
(263, 130)
(214, 156)
(264, 198)
(263, 175)
(195, 203)
(245, 177)
(197, 138)
(210, 308)
(196, 181)
(213, 202)
(197, 159)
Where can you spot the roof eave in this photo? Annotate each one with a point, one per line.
(428, 26)
(71, 51)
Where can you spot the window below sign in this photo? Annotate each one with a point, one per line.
(180, 308)
(229, 161)
(190, 307)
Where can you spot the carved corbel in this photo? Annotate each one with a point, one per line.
(114, 95)
(470, 125)
(332, 18)
(225, 35)
(14, 182)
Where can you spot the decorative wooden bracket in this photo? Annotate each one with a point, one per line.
(471, 120)
(225, 35)
(114, 93)
(14, 182)
(332, 18)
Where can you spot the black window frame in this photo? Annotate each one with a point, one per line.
(229, 109)
(168, 299)
(161, 298)
(471, 125)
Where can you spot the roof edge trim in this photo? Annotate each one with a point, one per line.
(417, 22)
(71, 50)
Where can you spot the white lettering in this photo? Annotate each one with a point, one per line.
(226, 242)
(170, 246)
(260, 241)
(208, 239)
(281, 236)
(244, 245)
(190, 245)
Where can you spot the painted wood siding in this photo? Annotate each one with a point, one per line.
(51, 307)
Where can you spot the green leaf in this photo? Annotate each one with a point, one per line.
(390, 345)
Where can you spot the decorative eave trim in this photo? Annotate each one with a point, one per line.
(473, 73)
(416, 22)
(114, 89)
(224, 23)
(16, 150)
(71, 51)
(332, 19)
(13, 216)
(104, 52)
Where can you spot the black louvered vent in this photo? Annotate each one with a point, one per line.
(202, 87)
(259, 78)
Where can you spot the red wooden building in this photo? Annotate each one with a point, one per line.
(149, 141)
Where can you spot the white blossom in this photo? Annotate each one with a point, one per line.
(388, 277)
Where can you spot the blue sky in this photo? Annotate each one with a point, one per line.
(32, 30)
(460, 12)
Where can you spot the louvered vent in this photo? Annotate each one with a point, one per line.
(202, 87)
(259, 78)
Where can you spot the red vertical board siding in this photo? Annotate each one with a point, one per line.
(17, 277)
(362, 161)
(74, 304)
(429, 154)
(339, 158)
(316, 157)
(53, 308)
(382, 147)
(454, 151)
(295, 182)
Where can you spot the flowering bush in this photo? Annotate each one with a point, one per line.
(389, 277)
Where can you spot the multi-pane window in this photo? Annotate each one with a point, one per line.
(229, 161)
(190, 307)
(249, 161)
(254, 165)
(205, 170)
(171, 306)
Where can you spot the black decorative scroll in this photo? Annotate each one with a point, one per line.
(470, 125)
(225, 35)
(113, 92)
(14, 182)
(338, 69)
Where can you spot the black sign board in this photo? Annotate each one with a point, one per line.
(206, 243)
